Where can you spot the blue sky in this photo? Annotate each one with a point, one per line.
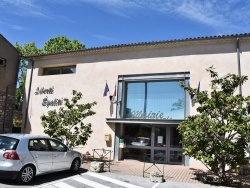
(108, 22)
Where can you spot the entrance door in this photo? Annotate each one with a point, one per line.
(175, 147)
(161, 143)
(159, 148)
(166, 142)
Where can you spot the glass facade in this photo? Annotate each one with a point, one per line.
(154, 100)
(161, 143)
(156, 105)
(137, 135)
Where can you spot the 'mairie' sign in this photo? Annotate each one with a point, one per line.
(145, 115)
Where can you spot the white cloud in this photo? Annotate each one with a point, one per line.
(228, 14)
(118, 7)
(23, 7)
(222, 15)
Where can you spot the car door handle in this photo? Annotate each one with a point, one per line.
(55, 155)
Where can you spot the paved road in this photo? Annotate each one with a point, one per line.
(87, 179)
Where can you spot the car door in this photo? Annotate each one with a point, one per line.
(61, 158)
(40, 151)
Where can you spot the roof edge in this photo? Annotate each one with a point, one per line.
(151, 43)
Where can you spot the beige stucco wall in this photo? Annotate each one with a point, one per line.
(92, 72)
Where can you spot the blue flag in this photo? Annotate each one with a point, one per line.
(106, 90)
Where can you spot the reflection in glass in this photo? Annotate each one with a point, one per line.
(154, 100)
(68, 70)
(175, 156)
(135, 99)
(175, 138)
(160, 136)
(59, 70)
(137, 135)
(138, 154)
(141, 141)
(160, 155)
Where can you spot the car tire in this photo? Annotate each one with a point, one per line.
(75, 165)
(26, 174)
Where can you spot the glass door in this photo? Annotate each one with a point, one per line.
(159, 144)
(175, 147)
(166, 143)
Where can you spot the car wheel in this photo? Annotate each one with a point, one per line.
(26, 174)
(75, 165)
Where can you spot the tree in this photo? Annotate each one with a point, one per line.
(219, 134)
(53, 45)
(61, 44)
(67, 124)
(26, 50)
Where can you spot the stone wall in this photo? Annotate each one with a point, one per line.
(6, 112)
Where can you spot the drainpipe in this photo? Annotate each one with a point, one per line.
(238, 59)
(28, 101)
(5, 104)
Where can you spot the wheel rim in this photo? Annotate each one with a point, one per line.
(76, 165)
(27, 174)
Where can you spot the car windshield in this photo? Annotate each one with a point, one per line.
(8, 143)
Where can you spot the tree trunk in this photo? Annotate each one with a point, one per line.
(222, 172)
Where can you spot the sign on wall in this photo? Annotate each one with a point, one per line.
(48, 101)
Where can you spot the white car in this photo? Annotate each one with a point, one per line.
(141, 141)
(23, 156)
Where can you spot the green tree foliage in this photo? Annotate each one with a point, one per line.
(219, 134)
(61, 44)
(67, 123)
(53, 45)
(26, 50)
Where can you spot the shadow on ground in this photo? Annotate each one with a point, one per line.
(46, 178)
(234, 179)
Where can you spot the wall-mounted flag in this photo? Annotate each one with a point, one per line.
(106, 90)
(192, 95)
(112, 97)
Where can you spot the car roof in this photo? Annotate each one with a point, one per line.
(21, 136)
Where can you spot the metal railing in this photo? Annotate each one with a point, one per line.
(103, 156)
(161, 159)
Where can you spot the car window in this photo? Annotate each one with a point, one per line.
(38, 145)
(57, 146)
(8, 143)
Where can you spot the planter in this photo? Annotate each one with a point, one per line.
(156, 177)
(96, 166)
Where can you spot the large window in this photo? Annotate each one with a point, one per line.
(59, 70)
(154, 100)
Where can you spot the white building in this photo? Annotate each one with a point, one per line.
(149, 102)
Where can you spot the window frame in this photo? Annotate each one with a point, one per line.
(60, 69)
(124, 79)
(39, 139)
(56, 150)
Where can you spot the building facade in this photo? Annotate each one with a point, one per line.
(144, 103)
(9, 65)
